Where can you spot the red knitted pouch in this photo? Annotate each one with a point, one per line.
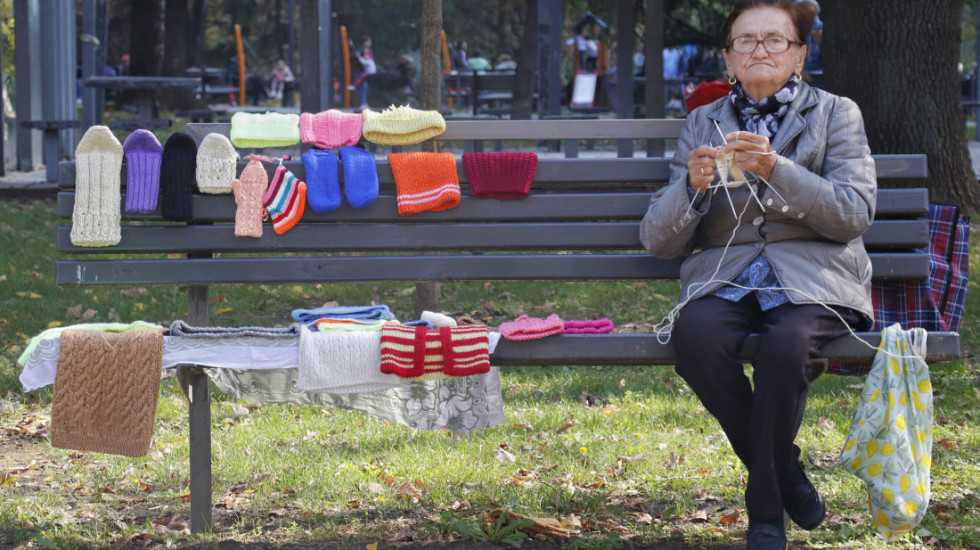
(500, 175)
(413, 352)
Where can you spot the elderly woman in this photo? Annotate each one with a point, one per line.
(780, 254)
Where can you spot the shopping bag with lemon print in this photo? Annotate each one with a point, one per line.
(889, 444)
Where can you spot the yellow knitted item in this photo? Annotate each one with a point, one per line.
(401, 125)
(256, 131)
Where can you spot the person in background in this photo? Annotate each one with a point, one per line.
(366, 70)
(279, 77)
(478, 63)
(780, 255)
(505, 63)
(458, 61)
(814, 44)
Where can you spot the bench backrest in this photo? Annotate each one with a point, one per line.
(579, 223)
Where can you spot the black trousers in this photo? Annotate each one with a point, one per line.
(760, 418)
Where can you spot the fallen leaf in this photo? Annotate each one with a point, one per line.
(825, 424)
(731, 518)
(372, 546)
(89, 313)
(644, 518)
(564, 427)
(504, 455)
(277, 510)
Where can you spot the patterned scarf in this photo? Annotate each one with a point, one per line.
(763, 118)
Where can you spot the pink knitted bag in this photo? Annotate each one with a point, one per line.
(530, 328)
(330, 129)
(597, 326)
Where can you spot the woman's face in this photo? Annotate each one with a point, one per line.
(762, 73)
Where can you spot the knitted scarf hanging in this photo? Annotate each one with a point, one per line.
(763, 118)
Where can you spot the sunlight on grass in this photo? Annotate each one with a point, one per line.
(629, 451)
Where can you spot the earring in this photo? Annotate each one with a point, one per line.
(797, 77)
(732, 80)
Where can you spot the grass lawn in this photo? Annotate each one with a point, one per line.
(638, 464)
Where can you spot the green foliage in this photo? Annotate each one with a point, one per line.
(503, 529)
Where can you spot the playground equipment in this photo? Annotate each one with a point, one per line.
(590, 60)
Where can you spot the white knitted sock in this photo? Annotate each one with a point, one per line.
(342, 362)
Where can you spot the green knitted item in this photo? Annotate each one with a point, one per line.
(258, 131)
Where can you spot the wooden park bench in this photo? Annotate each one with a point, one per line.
(580, 223)
(488, 92)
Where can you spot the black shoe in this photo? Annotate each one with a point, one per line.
(803, 503)
(765, 536)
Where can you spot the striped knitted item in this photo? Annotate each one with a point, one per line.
(330, 129)
(531, 328)
(217, 161)
(288, 205)
(249, 189)
(401, 125)
(351, 325)
(341, 362)
(597, 326)
(105, 391)
(256, 131)
(420, 353)
(143, 156)
(500, 175)
(95, 219)
(425, 181)
(274, 185)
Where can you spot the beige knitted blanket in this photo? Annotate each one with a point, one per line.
(105, 391)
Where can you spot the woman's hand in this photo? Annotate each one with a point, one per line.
(701, 167)
(753, 153)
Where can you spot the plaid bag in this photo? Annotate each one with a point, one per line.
(937, 303)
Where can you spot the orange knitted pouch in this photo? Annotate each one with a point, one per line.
(425, 181)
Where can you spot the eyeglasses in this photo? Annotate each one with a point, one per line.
(772, 44)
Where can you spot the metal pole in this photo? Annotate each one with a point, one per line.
(27, 36)
(549, 57)
(316, 92)
(90, 43)
(654, 70)
(624, 70)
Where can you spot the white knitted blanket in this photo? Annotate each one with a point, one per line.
(342, 362)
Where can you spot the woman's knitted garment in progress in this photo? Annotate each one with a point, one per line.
(105, 391)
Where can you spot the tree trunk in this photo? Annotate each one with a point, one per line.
(146, 38)
(177, 32)
(428, 295)
(527, 57)
(906, 83)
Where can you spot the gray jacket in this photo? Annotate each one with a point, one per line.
(819, 201)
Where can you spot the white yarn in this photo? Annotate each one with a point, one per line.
(216, 164)
(340, 362)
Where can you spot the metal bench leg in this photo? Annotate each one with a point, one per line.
(197, 388)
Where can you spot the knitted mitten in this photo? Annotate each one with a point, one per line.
(95, 220)
(249, 188)
(425, 181)
(322, 183)
(360, 176)
(216, 164)
(330, 129)
(500, 175)
(255, 131)
(143, 156)
(401, 125)
(177, 177)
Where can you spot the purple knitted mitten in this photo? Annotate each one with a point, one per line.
(143, 154)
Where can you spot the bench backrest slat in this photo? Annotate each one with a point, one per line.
(429, 237)
(473, 267)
